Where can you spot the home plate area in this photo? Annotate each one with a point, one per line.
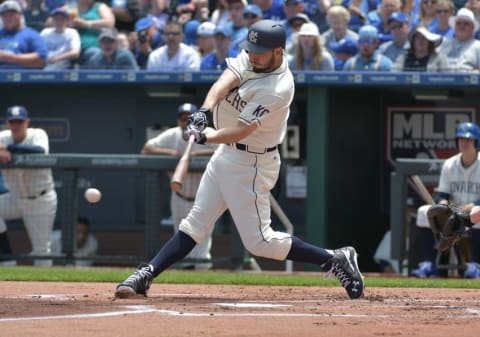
(218, 310)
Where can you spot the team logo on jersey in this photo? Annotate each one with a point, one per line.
(260, 111)
(253, 36)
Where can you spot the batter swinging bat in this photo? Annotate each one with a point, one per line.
(421, 189)
(182, 167)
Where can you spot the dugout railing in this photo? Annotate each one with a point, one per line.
(405, 167)
(153, 169)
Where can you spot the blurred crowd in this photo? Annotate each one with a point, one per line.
(194, 35)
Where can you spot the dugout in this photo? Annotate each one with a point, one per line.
(347, 124)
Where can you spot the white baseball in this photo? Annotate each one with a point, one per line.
(93, 195)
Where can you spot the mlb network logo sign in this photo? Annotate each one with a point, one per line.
(424, 132)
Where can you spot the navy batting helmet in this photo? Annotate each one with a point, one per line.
(468, 130)
(263, 36)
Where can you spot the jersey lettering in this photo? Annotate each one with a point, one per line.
(236, 100)
(260, 111)
(465, 187)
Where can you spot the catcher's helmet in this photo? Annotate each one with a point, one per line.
(263, 36)
(468, 130)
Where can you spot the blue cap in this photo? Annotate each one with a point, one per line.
(368, 32)
(190, 30)
(144, 23)
(252, 9)
(60, 10)
(398, 16)
(225, 30)
(16, 112)
(345, 46)
(187, 107)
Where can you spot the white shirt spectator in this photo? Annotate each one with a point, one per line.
(186, 59)
(59, 43)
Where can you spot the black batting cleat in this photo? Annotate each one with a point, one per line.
(136, 284)
(345, 268)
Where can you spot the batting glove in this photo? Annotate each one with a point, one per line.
(199, 136)
(199, 119)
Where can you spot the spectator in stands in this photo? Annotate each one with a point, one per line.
(252, 14)
(379, 18)
(428, 14)
(474, 6)
(342, 51)
(148, 39)
(462, 51)
(63, 42)
(205, 39)
(399, 29)
(190, 33)
(216, 59)
(87, 244)
(237, 23)
(111, 57)
(124, 41)
(310, 55)
(220, 15)
(316, 11)
(422, 54)
(174, 55)
(368, 57)
(337, 19)
(271, 9)
(171, 142)
(411, 8)
(293, 25)
(90, 18)
(20, 46)
(126, 13)
(31, 192)
(458, 172)
(291, 9)
(159, 10)
(35, 14)
(444, 10)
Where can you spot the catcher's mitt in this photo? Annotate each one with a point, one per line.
(448, 225)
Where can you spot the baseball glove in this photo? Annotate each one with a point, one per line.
(448, 225)
(199, 120)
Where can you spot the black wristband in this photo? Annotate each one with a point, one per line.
(203, 138)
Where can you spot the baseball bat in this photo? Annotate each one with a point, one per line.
(420, 188)
(182, 167)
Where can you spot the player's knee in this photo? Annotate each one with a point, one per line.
(422, 219)
(273, 249)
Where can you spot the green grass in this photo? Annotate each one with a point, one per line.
(65, 274)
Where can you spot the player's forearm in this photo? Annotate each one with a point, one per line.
(220, 89)
(147, 149)
(230, 135)
(17, 148)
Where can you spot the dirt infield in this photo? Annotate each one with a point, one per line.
(88, 309)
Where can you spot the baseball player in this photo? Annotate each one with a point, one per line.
(171, 142)
(459, 185)
(250, 105)
(31, 194)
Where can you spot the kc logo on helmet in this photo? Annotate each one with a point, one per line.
(253, 36)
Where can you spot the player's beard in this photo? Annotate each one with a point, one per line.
(269, 67)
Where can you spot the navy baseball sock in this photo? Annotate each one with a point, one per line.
(475, 245)
(427, 241)
(179, 245)
(5, 247)
(302, 251)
